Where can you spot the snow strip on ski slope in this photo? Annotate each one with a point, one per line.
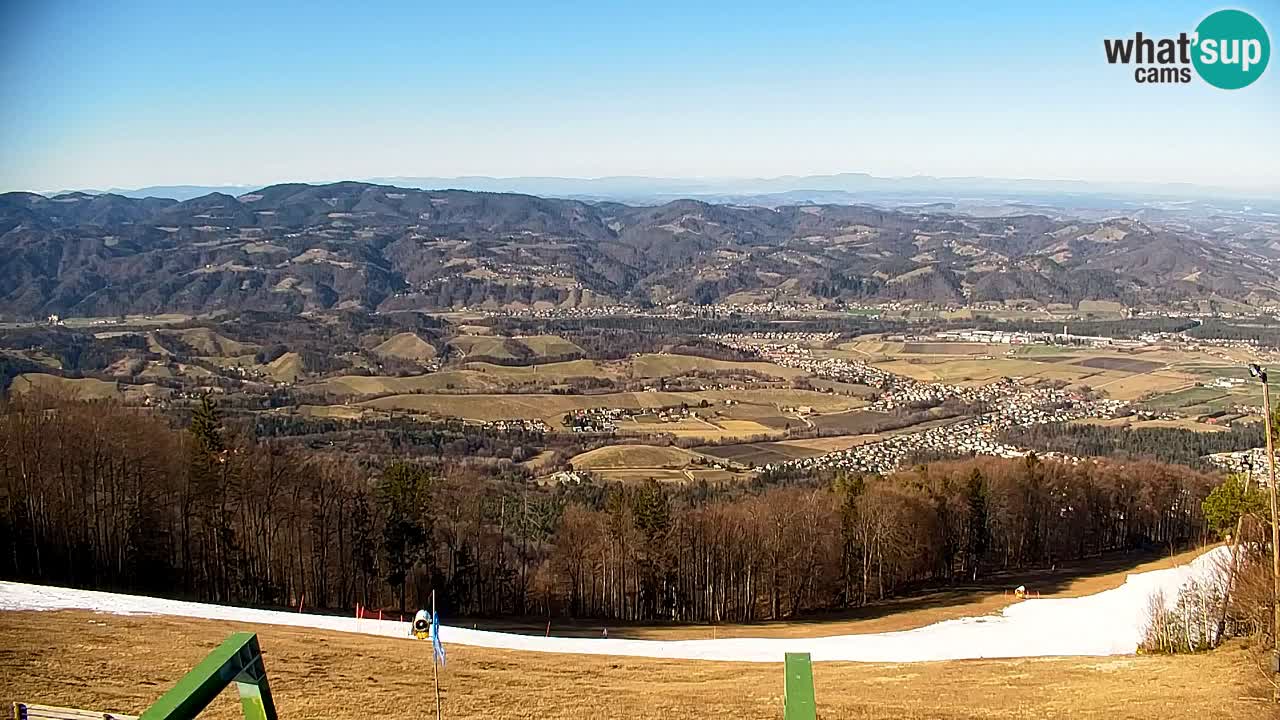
(1107, 623)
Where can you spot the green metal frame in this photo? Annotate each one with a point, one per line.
(797, 693)
(237, 660)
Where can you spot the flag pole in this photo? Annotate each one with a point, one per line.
(435, 661)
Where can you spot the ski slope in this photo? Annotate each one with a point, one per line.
(1107, 623)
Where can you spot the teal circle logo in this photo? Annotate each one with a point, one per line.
(1232, 49)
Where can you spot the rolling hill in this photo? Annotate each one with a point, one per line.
(357, 246)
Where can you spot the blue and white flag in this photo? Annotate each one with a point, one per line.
(436, 646)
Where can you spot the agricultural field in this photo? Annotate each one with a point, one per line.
(208, 342)
(1187, 400)
(406, 346)
(547, 346)
(1133, 375)
(86, 388)
(533, 347)
(612, 457)
(1136, 387)
(484, 377)
(728, 413)
(759, 453)
(664, 365)
(744, 413)
(696, 428)
(82, 388)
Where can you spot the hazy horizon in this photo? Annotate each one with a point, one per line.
(614, 186)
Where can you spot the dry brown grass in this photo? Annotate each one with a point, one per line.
(652, 366)
(406, 346)
(633, 456)
(124, 663)
(79, 388)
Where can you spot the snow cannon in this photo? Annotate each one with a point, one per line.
(421, 628)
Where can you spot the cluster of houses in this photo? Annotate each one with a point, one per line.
(1013, 406)
(560, 274)
(603, 420)
(792, 350)
(1007, 404)
(517, 425)
(1252, 463)
(1014, 337)
(594, 420)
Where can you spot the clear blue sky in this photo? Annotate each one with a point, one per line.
(127, 94)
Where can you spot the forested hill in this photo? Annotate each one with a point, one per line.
(359, 246)
(97, 495)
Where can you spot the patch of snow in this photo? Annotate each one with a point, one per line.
(1107, 623)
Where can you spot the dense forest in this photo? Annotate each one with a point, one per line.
(1166, 444)
(99, 495)
(1263, 331)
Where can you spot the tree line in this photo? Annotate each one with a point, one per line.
(1166, 444)
(99, 495)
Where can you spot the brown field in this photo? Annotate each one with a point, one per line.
(350, 385)
(1127, 376)
(652, 366)
(488, 346)
(474, 377)
(1131, 365)
(549, 345)
(123, 663)
(80, 388)
(633, 456)
(549, 372)
(541, 346)
(1101, 306)
(833, 443)
(488, 377)
(697, 428)
(1051, 358)
(406, 346)
(1133, 387)
(341, 412)
(958, 371)
(761, 453)
(287, 368)
(870, 347)
(551, 407)
(953, 348)
(530, 406)
(209, 342)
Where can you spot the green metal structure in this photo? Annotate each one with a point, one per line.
(237, 660)
(797, 693)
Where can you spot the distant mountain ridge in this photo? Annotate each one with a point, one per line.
(846, 186)
(298, 247)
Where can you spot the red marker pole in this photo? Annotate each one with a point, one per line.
(300, 601)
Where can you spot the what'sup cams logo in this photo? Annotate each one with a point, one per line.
(1229, 50)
